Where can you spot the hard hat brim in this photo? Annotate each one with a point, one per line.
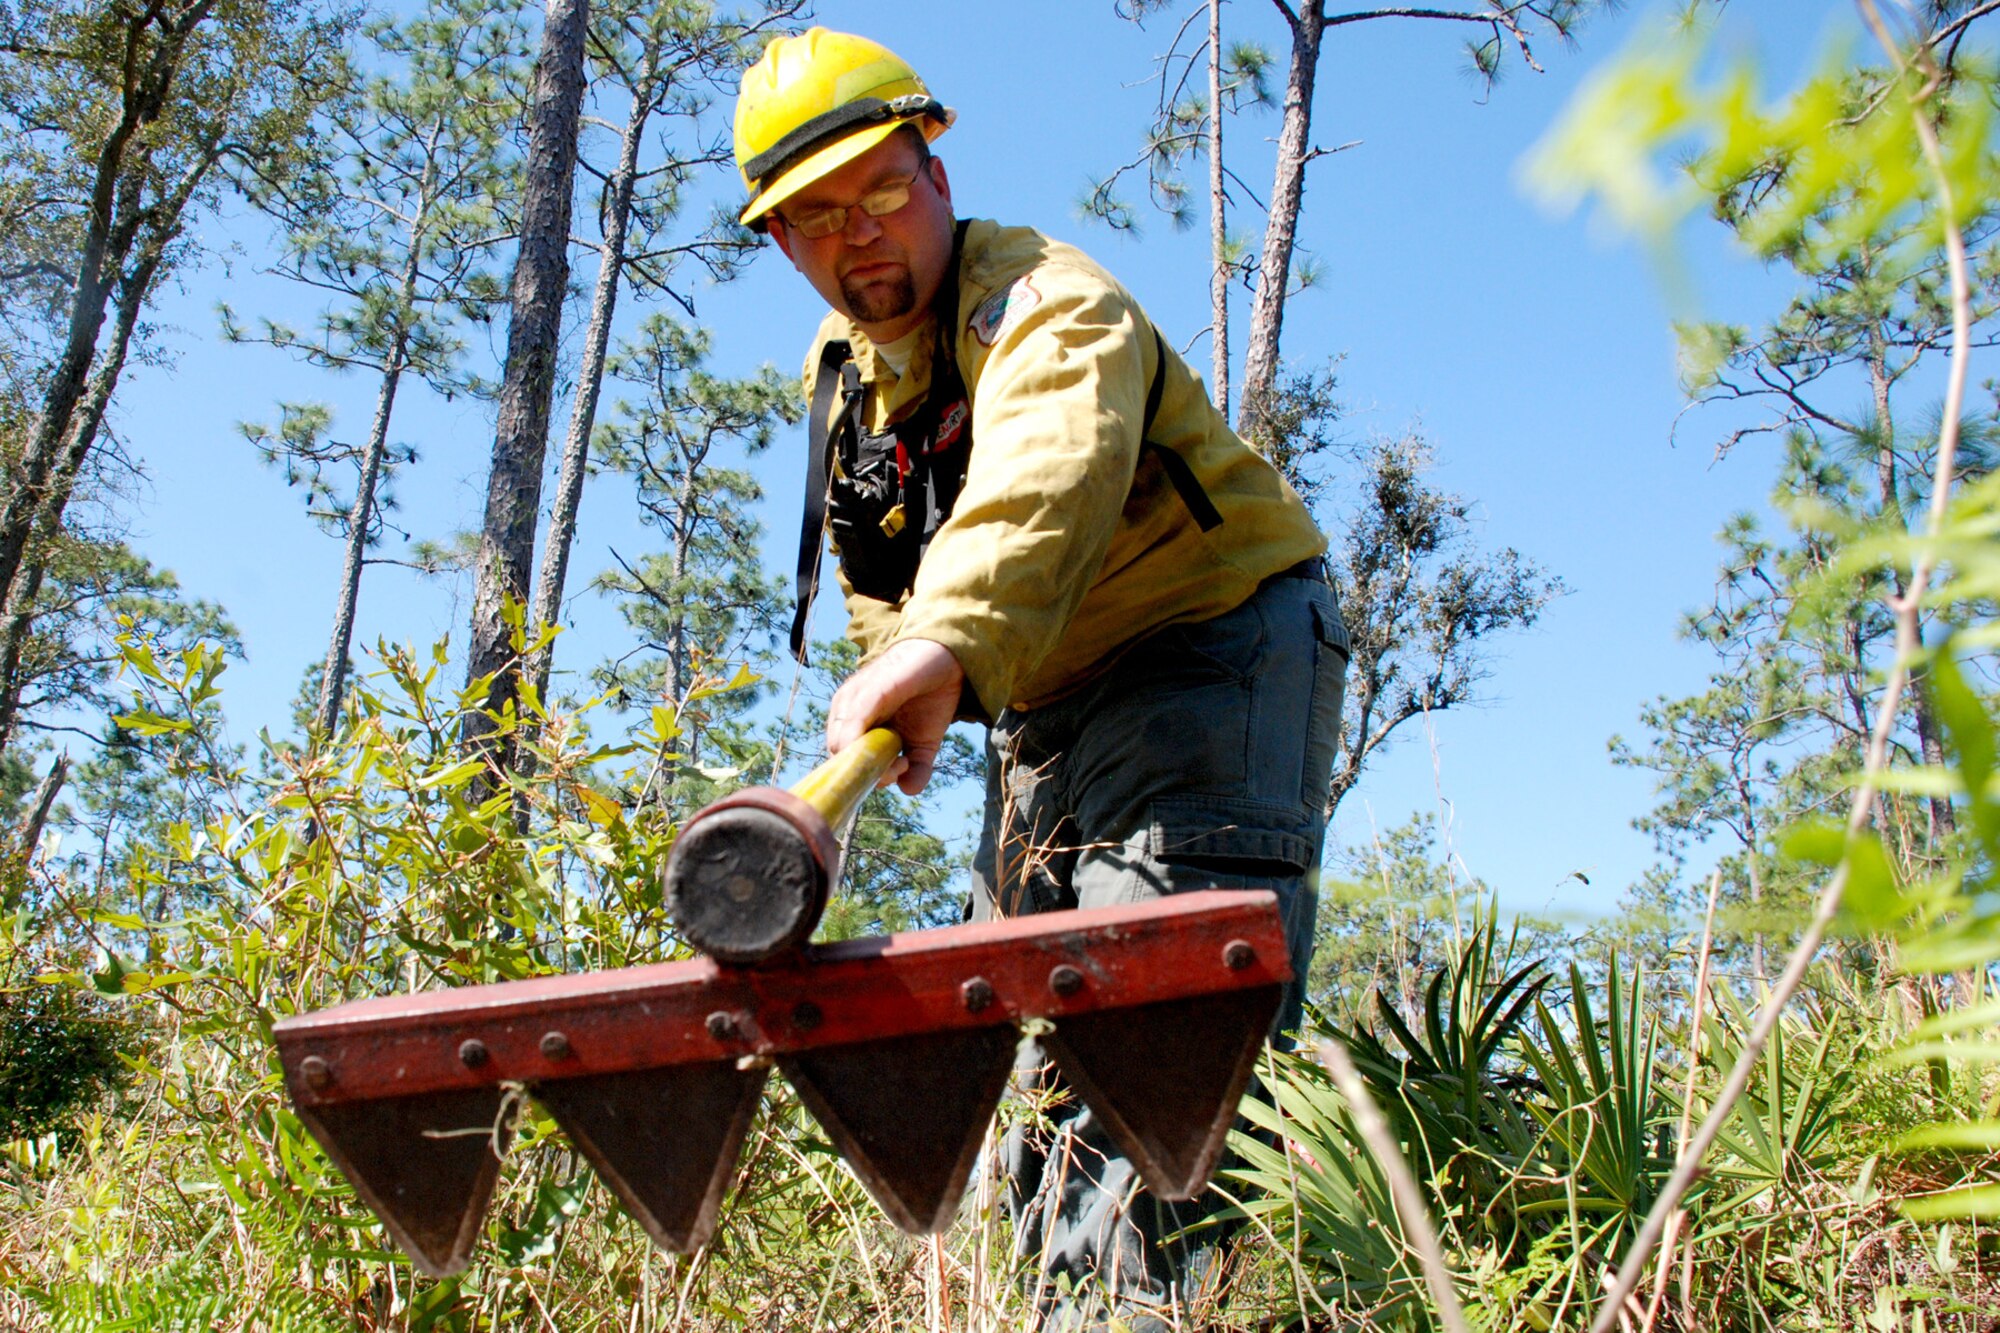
(830, 159)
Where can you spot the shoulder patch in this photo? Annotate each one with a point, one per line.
(1003, 310)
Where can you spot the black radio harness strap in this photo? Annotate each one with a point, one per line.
(837, 375)
(1202, 509)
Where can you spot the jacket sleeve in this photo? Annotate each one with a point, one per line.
(871, 624)
(1058, 405)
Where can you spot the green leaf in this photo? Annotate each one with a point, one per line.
(1972, 1201)
(460, 773)
(1820, 842)
(146, 722)
(1971, 733)
(1972, 1136)
(1920, 781)
(537, 1237)
(1872, 899)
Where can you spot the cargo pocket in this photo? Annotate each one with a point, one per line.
(1332, 631)
(1214, 839)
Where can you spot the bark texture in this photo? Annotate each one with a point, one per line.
(541, 273)
(1218, 215)
(1267, 310)
(590, 376)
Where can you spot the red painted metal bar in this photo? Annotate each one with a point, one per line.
(961, 977)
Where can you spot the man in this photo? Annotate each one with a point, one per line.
(1043, 523)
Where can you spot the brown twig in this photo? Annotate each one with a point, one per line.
(1687, 1097)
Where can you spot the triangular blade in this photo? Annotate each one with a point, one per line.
(1166, 1078)
(426, 1165)
(664, 1140)
(909, 1113)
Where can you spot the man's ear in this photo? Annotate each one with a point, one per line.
(776, 230)
(941, 181)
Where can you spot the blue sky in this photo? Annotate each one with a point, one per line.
(1534, 355)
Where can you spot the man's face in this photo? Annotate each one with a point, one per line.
(881, 272)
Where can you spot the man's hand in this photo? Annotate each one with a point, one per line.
(914, 688)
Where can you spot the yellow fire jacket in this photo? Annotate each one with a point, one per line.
(1068, 542)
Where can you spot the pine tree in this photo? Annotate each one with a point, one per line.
(118, 125)
(671, 62)
(703, 606)
(398, 220)
(527, 386)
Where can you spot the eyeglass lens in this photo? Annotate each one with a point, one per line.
(824, 222)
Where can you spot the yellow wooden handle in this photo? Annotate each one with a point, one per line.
(837, 787)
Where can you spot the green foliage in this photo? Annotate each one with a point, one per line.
(1535, 1137)
(1785, 1135)
(1848, 160)
(174, 1299)
(1310, 1185)
(703, 605)
(1445, 1077)
(1419, 598)
(59, 1052)
(1601, 1111)
(94, 591)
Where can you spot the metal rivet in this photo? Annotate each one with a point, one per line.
(1065, 980)
(976, 994)
(1237, 955)
(472, 1052)
(555, 1046)
(316, 1072)
(806, 1016)
(721, 1025)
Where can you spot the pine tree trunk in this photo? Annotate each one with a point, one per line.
(541, 273)
(333, 675)
(590, 376)
(29, 835)
(1267, 310)
(1218, 217)
(60, 482)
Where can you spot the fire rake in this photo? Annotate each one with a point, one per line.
(900, 1046)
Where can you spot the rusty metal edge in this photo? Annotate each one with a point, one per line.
(857, 990)
(470, 1221)
(1215, 1132)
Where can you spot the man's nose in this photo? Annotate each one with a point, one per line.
(861, 229)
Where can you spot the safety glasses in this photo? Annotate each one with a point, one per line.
(879, 202)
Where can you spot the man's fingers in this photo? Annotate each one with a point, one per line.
(914, 687)
(918, 762)
(847, 722)
(893, 772)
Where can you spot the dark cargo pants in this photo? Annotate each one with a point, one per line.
(1201, 760)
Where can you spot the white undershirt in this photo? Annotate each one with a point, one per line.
(899, 352)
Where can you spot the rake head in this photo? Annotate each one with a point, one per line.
(900, 1047)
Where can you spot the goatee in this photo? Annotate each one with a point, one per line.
(880, 299)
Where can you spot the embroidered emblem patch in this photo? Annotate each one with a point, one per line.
(950, 427)
(1003, 310)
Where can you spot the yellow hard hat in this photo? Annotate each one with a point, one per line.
(816, 102)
